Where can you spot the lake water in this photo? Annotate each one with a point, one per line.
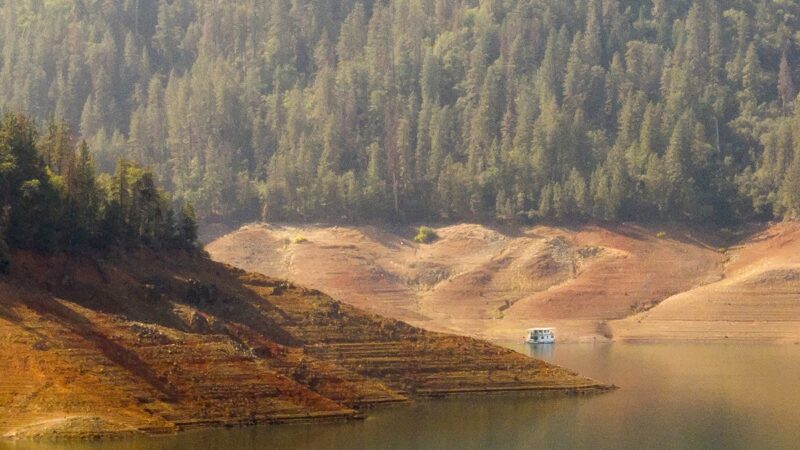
(672, 396)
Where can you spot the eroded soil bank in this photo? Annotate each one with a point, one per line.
(594, 283)
(155, 343)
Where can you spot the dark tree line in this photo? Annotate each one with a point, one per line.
(51, 199)
(412, 109)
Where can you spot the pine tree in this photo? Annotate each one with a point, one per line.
(578, 191)
(187, 226)
(785, 84)
(5, 253)
(546, 202)
(87, 198)
(593, 38)
(675, 161)
(751, 80)
(790, 190)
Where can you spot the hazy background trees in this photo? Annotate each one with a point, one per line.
(411, 109)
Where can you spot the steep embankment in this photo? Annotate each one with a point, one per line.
(758, 297)
(477, 280)
(159, 342)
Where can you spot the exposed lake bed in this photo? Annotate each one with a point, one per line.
(670, 396)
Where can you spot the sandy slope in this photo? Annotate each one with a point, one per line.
(757, 298)
(478, 280)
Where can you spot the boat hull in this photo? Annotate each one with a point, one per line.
(540, 341)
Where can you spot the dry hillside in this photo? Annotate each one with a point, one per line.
(757, 297)
(160, 342)
(483, 281)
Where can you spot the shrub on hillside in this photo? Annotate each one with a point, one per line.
(425, 235)
(299, 240)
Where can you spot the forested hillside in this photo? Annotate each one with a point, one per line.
(416, 109)
(51, 199)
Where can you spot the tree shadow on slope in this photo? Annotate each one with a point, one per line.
(216, 290)
(8, 302)
(146, 287)
(55, 310)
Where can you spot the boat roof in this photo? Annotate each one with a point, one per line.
(541, 329)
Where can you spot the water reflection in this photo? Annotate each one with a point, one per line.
(541, 351)
(672, 396)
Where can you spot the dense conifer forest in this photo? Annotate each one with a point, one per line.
(52, 200)
(557, 110)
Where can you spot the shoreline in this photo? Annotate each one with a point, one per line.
(38, 432)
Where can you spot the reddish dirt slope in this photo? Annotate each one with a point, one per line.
(757, 299)
(160, 342)
(489, 282)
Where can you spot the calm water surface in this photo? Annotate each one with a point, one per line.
(671, 396)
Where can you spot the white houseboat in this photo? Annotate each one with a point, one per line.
(540, 336)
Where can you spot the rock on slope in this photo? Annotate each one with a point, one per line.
(477, 280)
(758, 297)
(159, 342)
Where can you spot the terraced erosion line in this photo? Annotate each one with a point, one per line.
(500, 280)
(158, 342)
(755, 298)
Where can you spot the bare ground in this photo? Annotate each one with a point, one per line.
(156, 342)
(494, 282)
(756, 298)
